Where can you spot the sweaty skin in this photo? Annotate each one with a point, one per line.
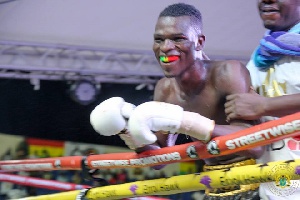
(197, 85)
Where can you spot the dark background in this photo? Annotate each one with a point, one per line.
(50, 113)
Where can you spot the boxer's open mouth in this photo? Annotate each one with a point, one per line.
(167, 59)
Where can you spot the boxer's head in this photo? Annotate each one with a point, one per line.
(178, 38)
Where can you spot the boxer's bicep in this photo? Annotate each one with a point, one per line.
(239, 80)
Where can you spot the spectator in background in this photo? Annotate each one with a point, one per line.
(275, 74)
(22, 151)
(123, 176)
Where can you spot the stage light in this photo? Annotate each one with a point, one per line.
(84, 92)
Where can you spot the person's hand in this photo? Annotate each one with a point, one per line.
(170, 118)
(247, 106)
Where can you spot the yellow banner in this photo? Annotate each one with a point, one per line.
(40, 148)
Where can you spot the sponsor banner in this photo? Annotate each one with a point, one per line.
(40, 148)
(107, 156)
(135, 160)
(13, 166)
(261, 135)
(254, 136)
(42, 164)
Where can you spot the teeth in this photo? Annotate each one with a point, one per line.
(166, 59)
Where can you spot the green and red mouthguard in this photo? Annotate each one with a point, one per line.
(166, 59)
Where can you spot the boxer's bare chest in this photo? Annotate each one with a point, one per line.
(207, 103)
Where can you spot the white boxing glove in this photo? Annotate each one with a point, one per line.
(110, 117)
(160, 116)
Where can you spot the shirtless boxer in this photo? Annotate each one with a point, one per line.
(189, 99)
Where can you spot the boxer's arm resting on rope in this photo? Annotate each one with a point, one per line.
(157, 116)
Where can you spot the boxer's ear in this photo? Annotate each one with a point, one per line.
(200, 42)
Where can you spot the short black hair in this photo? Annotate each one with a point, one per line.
(182, 9)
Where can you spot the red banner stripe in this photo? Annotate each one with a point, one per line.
(41, 142)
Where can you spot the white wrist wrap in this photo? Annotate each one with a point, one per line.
(196, 126)
(127, 138)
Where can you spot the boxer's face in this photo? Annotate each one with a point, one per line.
(175, 44)
(279, 15)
